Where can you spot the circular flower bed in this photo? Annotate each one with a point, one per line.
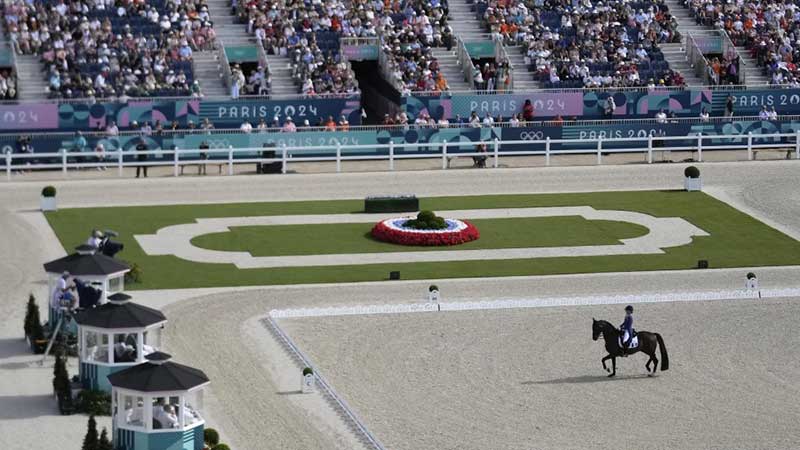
(395, 231)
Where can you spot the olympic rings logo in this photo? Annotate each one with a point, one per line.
(531, 135)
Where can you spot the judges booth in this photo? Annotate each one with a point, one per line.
(115, 336)
(158, 405)
(95, 274)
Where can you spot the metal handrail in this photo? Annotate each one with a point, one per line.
(467, 66)
(696, 58)
(225, 66)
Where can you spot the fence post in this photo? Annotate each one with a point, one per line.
(283, 158)
(119, 162)
(338, 156)
(230, 160)
(797, 146)
(699, 147)
(64, 161)
(444, 154)
(547, 151)
(175, 157)
(750, 146)
(8, 166)
(650, 149)
(496, 151)
(391, 156)
(599, 152)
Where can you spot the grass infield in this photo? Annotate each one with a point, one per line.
(736, 239)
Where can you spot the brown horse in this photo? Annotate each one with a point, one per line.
(648, 342)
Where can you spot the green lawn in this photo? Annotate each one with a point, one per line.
(735, 240)
(281, 240)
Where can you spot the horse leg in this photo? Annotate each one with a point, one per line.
(604, 363)
(614, 366)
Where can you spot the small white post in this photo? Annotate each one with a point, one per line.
(119, 162)
(797, 145)
(64, 161)
(599, 152)
(8, 166)
(338, 157)
(650, 149)
(444, 154)
(283, 158)
(175, 157)
(699, 147)
(230, 160)
(547, 151)
(750, 146)
(391, 156)
(496, 152)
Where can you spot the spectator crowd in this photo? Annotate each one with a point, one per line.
(112, 48)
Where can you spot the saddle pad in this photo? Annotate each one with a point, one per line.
(634, 342)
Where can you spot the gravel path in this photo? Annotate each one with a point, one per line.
(176, 240)
(215, 332)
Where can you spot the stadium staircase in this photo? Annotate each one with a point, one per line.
(280, 70)
(453, 72)
(207, 71)
(31, 84)
(523, 78)
(675, 54)
(228, 31)
(464, 21)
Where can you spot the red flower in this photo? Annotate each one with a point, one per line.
(382, 232)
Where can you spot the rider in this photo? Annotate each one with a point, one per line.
(627, 329)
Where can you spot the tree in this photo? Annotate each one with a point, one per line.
(104, 443)
(90, 442)
(29, 310)
(60, 376)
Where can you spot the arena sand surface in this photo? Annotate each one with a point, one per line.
(532, 379)
(215, 330)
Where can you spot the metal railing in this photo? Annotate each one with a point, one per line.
(225, 65)
(465, 61)
(593, 144)
(694, 53)
(730, 52)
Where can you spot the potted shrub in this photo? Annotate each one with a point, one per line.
(691, 180)
(48, 199)
(210, 437)
(433, 293)
(36, 338)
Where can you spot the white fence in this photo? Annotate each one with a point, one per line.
(391, 152)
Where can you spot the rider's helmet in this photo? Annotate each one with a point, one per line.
(629, 309)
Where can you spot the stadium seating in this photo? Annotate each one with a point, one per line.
(97, 49)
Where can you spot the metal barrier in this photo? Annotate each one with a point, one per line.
(465, 61)
(645, 145)
(225, 65)
(697, 60)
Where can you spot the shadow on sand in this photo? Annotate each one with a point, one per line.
(298, 391)
(587, 379)
(27, 406)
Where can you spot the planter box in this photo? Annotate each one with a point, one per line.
(433, 296)
(693, 184)
(38, 346)
(309, 384)
(391, 204)
(48, 204)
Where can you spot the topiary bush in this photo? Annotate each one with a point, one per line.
(31, 315)
(49, 191)
(135, 274)
(691, 172)
(750, 275)
(433, 287)
(426, 220)
(210, 437)
(307, 371)
(96, 403)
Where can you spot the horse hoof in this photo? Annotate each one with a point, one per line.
(612, 375)
(650, 375)
(608, 370)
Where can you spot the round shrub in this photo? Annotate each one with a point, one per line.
(426, 220)
(49, 191)
(308, 371)
(210, 436)
(433, 287)
(221, 447)
(691, 172)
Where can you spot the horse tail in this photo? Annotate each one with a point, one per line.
(664, 356)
